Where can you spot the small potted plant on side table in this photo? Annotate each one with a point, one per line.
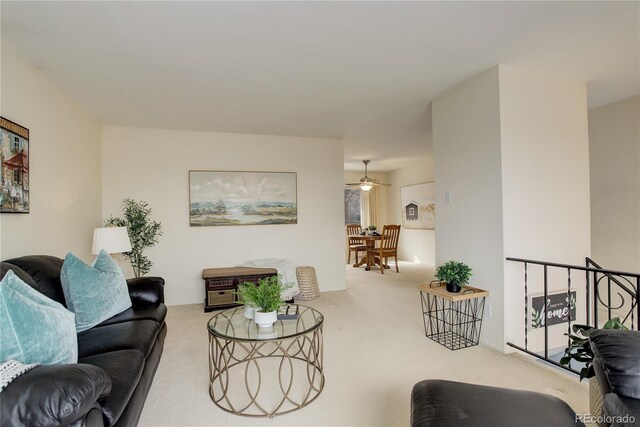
(456, 274)
(580, 351)
(265, 297)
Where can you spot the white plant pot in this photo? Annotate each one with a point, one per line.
(266, 333)
(248, 311)
(265, 320)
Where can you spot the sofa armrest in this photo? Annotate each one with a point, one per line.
(53, 395)
(146, 291)
(624, 410)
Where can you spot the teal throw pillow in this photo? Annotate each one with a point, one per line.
(95, 292)
(33, 327)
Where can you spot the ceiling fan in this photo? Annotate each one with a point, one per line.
(365, 183)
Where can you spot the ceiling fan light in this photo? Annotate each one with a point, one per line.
(366, 186)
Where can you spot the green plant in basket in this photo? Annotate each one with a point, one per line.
(580, 350)
(265, 295)
(456, 274)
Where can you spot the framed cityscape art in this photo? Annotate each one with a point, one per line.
(14, 161)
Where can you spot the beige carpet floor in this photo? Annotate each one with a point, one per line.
(374, 352)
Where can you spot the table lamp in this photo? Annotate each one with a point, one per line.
(111, 239)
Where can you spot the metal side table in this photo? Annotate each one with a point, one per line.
(452, 319)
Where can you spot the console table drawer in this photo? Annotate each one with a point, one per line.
(221, 297)
(220, 284)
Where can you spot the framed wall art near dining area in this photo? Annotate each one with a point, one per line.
(14, 164)
(218, 198)
(418, 206)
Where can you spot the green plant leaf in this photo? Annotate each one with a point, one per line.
(143, 233)
(454, 272)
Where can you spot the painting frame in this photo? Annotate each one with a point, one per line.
(14, 167)
(417, 206)
(238, 198)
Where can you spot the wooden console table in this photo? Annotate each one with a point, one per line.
(220, 284)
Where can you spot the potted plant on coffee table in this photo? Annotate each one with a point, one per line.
(580, 351)
(265, 296)
(456, 274)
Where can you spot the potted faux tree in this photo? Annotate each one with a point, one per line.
(580, 351)
(265, 297)
(455, 274)
(143, 233)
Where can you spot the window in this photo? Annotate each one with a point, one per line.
(352, 205)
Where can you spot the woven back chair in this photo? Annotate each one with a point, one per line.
(388, 246)
(355, 245)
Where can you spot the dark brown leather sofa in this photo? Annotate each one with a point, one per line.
(440, 403)
(117, 359)
(617, 366)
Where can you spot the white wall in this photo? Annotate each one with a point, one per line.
(614, 144)
(64, 162)
(545, 189)
(512, 148)
(414, 245)
(466, 147)
(153, 165)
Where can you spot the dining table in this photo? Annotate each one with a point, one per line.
(370, 241)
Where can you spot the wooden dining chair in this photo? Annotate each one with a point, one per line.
(355, 245)
(388, 246)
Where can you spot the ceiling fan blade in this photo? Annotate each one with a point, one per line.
(352, 184)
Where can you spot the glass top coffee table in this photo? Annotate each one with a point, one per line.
(264, 372)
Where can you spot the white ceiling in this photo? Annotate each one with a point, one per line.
(362, 71)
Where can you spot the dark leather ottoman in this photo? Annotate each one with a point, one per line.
(439, 403)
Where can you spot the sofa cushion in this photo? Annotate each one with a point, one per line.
(54, 395)
(45, 272)
(34, 328)
(139, 335)
(22, 275)
(124, 369)
(439, 403)
(94, 292)
(157, 313)
(618, 351)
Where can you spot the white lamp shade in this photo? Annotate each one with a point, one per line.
(366, 186)
(112, 239)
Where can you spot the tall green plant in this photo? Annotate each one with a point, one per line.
(580, 349)
(143, 233)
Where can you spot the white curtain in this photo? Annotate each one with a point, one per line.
(373, 207)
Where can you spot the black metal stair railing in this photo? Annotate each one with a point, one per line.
(607, 294)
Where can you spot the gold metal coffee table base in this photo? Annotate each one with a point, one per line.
(242, 377)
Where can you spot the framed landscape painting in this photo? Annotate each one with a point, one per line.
(14, 172)
(219, 198)
(418, 206)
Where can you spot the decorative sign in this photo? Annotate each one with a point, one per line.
(559, 309)
(14, 172)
